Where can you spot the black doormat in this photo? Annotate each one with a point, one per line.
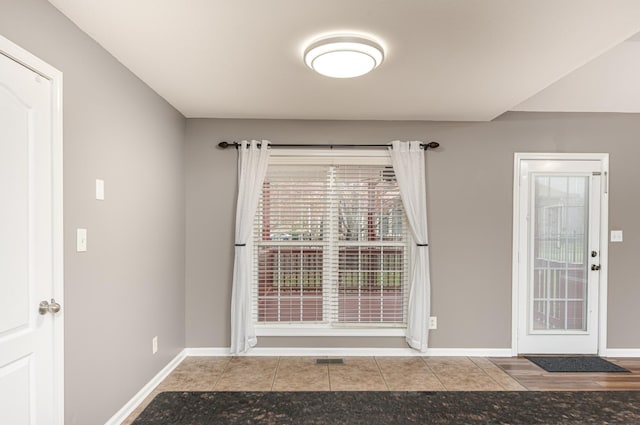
(575, 364)
(376, 407)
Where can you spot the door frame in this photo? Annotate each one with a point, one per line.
(604, 232)
(28, 60)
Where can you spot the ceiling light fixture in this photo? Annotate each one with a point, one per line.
(343, 56)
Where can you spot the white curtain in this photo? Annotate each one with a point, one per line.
(408, 164)
(252, 166)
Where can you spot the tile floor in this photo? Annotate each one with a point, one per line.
(382, 374)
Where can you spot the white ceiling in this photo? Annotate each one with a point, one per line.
(609, 83)
(445, 59)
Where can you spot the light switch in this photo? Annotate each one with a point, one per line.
(616, 236)
(81, 240)
(100, 189)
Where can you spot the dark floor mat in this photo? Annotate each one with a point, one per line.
(389, 407)
(575, 364)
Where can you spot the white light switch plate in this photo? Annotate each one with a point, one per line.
(100, 189)
(81, 240)
(616, 236)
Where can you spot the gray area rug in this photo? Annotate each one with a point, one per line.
(377, 407)
(575, 364)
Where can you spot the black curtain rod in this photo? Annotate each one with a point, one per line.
(425, 146)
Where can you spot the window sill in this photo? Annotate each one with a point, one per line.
(323, 331)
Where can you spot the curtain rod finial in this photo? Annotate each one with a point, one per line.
(225, 145)
(432, 145)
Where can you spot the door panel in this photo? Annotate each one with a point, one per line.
(26, 246)
(559, 240)
(14, 149)
(15, 378)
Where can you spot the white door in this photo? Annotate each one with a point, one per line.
(29, 257)
(559, 258)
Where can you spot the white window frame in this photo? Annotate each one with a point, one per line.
(329, 157)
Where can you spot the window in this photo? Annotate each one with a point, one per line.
(330, 245)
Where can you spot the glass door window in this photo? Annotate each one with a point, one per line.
(559, 266)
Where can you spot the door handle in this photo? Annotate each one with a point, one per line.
(49, 307)
(595, 267)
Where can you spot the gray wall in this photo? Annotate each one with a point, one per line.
(129, 285)
(469, 189)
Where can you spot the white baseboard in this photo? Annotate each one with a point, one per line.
(329, 351)
(207, 351)
(470, 352)
(345, 352)
(622, 352)
(137, 399)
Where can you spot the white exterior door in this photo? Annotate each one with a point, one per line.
(30, 249)
(558, 258)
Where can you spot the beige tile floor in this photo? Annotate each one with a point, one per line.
(355, 374)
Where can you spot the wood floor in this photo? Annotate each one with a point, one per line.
(534, 378)
(385, 374)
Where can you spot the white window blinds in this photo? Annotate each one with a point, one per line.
(331, 246)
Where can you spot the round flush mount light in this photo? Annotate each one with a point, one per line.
(343, 56)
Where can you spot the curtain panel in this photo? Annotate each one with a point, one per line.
(408, 160)
(253, 159)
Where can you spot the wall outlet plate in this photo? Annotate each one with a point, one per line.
(154, 345)
(433, 322)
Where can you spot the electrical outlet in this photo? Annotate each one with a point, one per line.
(154, 345)
(433, 322)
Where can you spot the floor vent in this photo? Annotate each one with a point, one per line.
(329, 361)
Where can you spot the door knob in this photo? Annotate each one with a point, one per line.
(595, 267)
(49, 307)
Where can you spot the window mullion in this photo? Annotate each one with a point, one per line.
(279, 279)
(382, 274)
